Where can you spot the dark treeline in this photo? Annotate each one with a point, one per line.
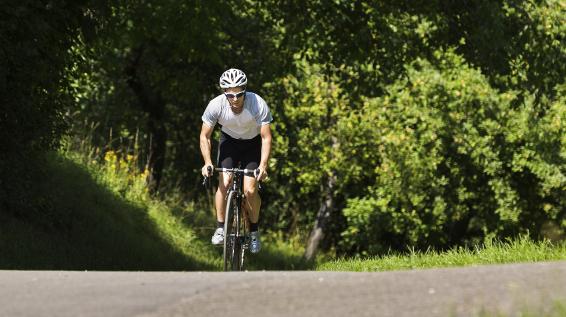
(397, 123)
(35, 37)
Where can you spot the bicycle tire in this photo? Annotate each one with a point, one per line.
(229, 235)
(244, 238)
(238, 237)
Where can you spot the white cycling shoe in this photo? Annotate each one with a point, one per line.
(255, 244)
(218, 236)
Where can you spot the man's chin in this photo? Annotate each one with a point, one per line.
(237, 110)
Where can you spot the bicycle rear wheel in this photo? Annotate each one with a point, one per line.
(237, 260)
(232, 245)
(244, 237)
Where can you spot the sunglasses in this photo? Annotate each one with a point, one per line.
(237, 96)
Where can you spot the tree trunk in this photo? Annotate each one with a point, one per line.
(153, 104)
(325, 211)
(156, 153)
(327, 208)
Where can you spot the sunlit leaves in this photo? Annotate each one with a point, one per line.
(443, 161)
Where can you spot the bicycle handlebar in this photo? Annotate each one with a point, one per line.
(238, 170)
(206, 179)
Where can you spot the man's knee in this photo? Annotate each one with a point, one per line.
(251, 192)
(222, 189)
(224, 182)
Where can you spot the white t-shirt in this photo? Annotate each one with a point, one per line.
(246, 124)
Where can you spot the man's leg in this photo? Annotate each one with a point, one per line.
(223, 184)
(220, 202)
(252, 201)
(225, 159)
(252, 205)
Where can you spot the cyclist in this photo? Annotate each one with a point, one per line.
(245, 138)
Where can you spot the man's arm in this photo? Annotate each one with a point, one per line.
(206, 146)
(265, 133)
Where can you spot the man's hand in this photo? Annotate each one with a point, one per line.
(262, 174)
(205, 170)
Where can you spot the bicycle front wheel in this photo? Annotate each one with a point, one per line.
(231, 234)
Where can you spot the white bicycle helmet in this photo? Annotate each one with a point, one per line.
(233, 78)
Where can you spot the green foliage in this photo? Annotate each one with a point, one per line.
(141, 73)
(313, 105)
(538, 49)
(466, 93)
(426, 123)
(33, 59)
(157, 64)
(451, 162)
(305, 152)
(34, 38)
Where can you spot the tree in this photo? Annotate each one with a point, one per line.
(35, 37)
(160, 63)
(452, 165)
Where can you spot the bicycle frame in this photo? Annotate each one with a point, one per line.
(235, 227)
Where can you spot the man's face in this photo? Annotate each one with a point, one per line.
(235, 97)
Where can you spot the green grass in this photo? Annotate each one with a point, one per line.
(88, 218)
(279, 253)
(496, 252)
(91, 216)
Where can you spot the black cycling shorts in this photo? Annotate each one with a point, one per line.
(239, 152)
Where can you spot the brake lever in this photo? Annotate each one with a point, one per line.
(256, 174)
(206, 179)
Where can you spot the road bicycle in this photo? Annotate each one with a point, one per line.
(236, 235)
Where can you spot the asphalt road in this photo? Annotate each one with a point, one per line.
(508, 290)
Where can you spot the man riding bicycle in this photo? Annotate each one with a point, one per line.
(245, 139)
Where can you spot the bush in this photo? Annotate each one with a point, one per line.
(455, 161)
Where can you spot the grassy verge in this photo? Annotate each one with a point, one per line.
(92, 216)
(279, 253)
(95, 217)
(496, 252)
